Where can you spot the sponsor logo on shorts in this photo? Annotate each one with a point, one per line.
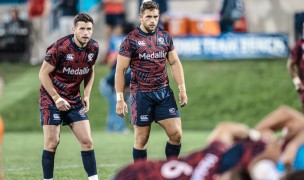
(82, 113)
(56, 117)
(172, 111)
(144, 118)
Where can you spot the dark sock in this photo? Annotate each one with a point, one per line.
(48, 164)
(172, 150)
(139, 154)
(89, 162)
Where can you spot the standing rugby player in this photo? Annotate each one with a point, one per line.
(68, 62)
(146, 50)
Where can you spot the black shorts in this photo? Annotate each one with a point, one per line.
(56, 117)
(115, 19)
(147, 107)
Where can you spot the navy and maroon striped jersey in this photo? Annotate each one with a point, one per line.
(148, 53)
(72, 65)
(297, 55)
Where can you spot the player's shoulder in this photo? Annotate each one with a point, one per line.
(93, 45)
(61, 43)
(163, 31)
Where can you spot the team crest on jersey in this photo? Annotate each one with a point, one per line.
(90, 56)
(161, 40)
(141, 43)
(70, 57)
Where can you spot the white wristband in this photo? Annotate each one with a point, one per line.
(59, 99)
(182, 87)
(119, 96)
(296, 81)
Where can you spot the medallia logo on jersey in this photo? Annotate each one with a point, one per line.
(70, 57)
(158, 54)
(90, 56)
(161, 40)
(141, 43)
(78, 71)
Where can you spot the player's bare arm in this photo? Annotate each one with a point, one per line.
(283, 118)
(121, 67)
(228, 132)
(178, 76)
(291, 67)
(88, 83)
(44, 76)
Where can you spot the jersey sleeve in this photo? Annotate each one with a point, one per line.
(170, 42)
(125, 48)
(296, 52)
(52, 55)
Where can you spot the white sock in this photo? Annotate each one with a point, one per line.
(94, 177)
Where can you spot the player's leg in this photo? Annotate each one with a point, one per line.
(82, 131)
(50, 121)
(51, 141)
(141, 137)
(167, 115)
(173, 128)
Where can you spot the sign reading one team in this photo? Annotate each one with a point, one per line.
(78, 71)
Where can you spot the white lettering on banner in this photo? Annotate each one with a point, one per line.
(188, 46)
(78, 71)
(160, 54)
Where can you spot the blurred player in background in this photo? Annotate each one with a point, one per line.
(207, 163)
(295, 66)
(1, 129)
(68, 62)
(146, 50)
(235, 152)
(115, 123)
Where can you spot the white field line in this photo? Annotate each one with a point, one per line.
(61, 167)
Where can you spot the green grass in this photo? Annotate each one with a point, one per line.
(22, 153)
(218, 90)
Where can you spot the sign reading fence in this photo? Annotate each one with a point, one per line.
(229, 46)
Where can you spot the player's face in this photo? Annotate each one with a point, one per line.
(83, 32)
(149, 20)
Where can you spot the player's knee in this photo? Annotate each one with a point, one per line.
(52, 143)
(87, 143)
(176, 137)
(140, 142)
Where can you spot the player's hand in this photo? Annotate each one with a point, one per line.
(86, 103)
(182, 98)
(62, 104)
(121, 108)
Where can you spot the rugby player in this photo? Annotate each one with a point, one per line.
(295, 66)
(146, 50)
(68, 62)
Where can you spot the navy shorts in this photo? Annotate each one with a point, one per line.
(115, 19)
(55, 117)
(147, 107)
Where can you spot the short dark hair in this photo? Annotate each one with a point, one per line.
(150, 5)
(83, 17)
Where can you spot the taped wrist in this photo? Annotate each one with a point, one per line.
(182, 87)
(119, 96)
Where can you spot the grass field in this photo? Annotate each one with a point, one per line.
(22, 153)
(217, 90)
